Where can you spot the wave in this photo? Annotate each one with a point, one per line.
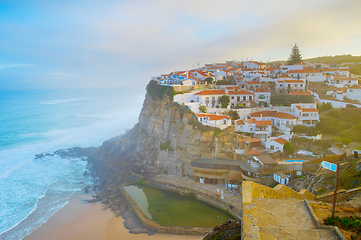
(52, 102)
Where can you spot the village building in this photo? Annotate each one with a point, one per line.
(217, 171)
(262, 97)
(275, 144)
(240, 98)
(209, 98)
(287, 86)
(260, 129)
(220, 121)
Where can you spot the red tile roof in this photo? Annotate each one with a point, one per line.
(309, 110)
(284, 76)
(263, 113)
(264, 123)
(300, 93)
(284, 116)
(239, 92)
(280, 140)
(293, 81)
(240, 122)
(211, 92)
(261, 90)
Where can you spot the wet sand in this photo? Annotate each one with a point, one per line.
(79, 220)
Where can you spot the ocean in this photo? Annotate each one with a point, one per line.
(42, 121)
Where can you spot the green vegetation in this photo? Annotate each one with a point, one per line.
(202, 108)
(350, 223)
(349, 178)
(166, 146)
(234, 115)
(209, 80)
(288, 148)
(343, 123)
(156, 92)
(324, 107)
(224, 82)
(224, 101)
(338, 59)
(295, 56)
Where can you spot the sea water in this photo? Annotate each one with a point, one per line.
(43, 121)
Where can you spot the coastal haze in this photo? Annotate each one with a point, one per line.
(80, 44)
(74, 74)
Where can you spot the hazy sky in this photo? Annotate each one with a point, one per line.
(67, 43)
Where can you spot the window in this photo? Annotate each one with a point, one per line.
(295, 85)
(301, 85)
(250, 98)
(261, 97)
(232, 97)
(238, 98)
(244, 98)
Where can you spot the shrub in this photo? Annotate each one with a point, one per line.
(164, 146)
(202, 108)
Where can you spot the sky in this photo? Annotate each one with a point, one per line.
(92, 44)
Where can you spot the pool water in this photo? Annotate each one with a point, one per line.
(301, 161)
(169, 208)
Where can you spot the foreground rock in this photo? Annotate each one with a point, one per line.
(229, 230)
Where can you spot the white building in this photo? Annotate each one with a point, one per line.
(275, 144)
(286, 86)
(209, 98)
(260, 129)
(220, 121)
(307, 113)
(262, 97)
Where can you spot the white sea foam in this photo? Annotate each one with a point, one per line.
(58, 101)
(34, 189)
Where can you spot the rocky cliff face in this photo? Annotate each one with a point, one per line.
(165, 140)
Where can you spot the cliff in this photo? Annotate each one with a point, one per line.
(166, 139)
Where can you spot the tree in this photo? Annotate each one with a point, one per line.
(224, 101)
(295, 56)
(288, 148)
(234, 115)
(202, 108)
(209, 80)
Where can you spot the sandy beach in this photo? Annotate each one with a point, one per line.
(80, 220)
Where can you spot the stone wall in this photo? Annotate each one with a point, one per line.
(252, 189)
(200, 195)
(342, 195)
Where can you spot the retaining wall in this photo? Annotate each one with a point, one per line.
(342, 195)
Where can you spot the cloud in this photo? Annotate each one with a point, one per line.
(115, 43)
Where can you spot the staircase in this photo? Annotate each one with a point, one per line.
(286, 218)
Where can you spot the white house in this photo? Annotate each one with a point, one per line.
(286, 86)
(240, 98)
(341, 81)
(251, 64)
(262, 97)
(307, 113)
(281, 178)
(310, 74)
(209, 98)
(260, 129)
(220, 121)
(253, 85)
(284, 121)
(275, 144)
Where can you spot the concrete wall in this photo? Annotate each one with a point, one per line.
(155, 226)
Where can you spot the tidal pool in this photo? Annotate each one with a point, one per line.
(169, 208)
